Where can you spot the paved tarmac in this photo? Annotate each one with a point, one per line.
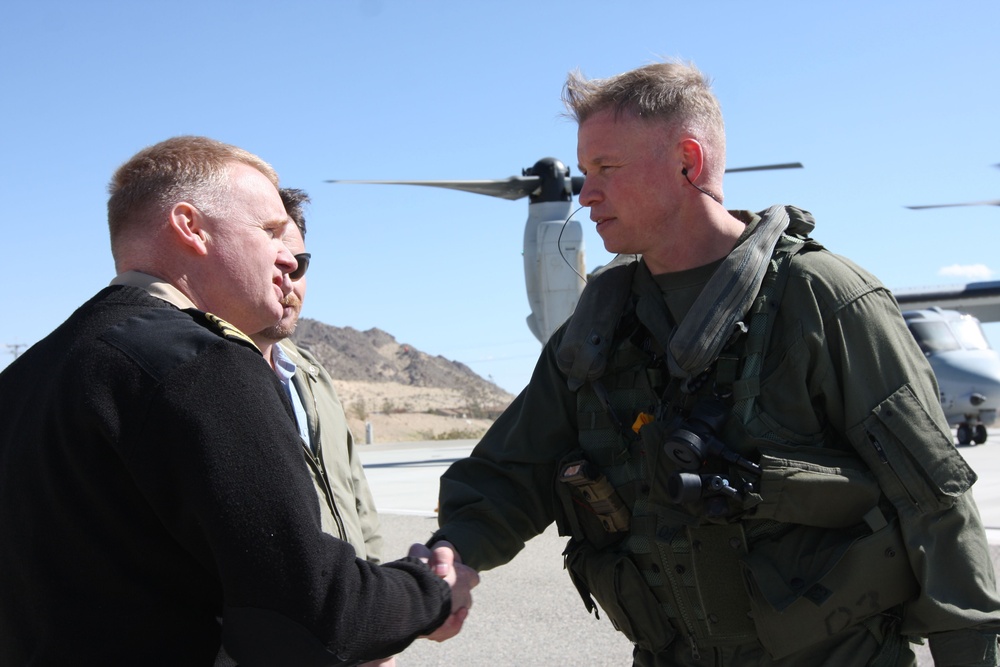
(527, 612)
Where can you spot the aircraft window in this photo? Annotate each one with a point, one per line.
(933, 336)
(970, 334)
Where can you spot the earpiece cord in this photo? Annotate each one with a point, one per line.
(684, 172)
(559, 245)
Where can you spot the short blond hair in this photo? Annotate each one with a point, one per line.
(186, 168)
(673, 91)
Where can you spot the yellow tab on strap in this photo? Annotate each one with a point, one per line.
(640, 421)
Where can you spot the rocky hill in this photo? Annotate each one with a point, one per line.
(393, 392)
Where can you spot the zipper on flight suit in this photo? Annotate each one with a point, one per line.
(695, 653)
(885, 461)
(315, 461)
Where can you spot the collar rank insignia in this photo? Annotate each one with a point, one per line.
(221, 327)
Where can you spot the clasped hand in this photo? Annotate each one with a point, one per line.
(444, 560)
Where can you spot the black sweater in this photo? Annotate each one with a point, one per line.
(154, 505)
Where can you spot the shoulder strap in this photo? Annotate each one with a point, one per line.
(765, 307)
(725, 300)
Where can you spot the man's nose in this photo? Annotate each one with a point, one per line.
(286, 260)
(589, 194)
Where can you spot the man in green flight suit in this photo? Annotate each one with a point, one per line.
(737, 431)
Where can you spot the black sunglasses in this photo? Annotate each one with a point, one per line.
(300, 270)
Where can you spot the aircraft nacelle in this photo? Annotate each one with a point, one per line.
(553, 266)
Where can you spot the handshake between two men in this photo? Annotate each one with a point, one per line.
(444, 560)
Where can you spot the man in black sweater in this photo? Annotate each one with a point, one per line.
(154, 505)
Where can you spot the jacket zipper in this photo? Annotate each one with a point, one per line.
(880, 451)
(315, 461)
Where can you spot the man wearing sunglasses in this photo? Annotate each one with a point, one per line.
(346, 505)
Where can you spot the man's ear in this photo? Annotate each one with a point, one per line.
(692, 157)
(187, 224)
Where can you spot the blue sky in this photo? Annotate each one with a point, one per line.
(886, 104)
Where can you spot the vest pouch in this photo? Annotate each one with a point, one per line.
(621, 591)
(813, 583)
(813, 488)
(578, 518)
(916, 461)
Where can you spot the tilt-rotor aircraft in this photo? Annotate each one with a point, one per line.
(967, 369)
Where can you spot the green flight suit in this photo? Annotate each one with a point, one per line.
(842, 380)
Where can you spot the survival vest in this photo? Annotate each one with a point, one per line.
(661, 512)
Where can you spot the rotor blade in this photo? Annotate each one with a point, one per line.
(992, 202)
(515, 187)
(764, 167)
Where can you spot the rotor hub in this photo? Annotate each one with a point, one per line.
(554, 181)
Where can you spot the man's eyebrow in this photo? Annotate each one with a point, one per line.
(597, 162)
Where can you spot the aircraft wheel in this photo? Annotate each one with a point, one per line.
(964, 434)
(979, 434)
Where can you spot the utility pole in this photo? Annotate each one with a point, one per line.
(15, 348)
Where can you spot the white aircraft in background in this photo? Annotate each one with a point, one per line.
(966, 367)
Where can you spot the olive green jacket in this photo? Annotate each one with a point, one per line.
(347, 506)
(840, 369)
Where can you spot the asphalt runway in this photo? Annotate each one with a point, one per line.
(527, 612)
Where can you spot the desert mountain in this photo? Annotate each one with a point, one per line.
(393, 392)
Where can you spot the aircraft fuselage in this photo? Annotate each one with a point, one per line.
(966, 367)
